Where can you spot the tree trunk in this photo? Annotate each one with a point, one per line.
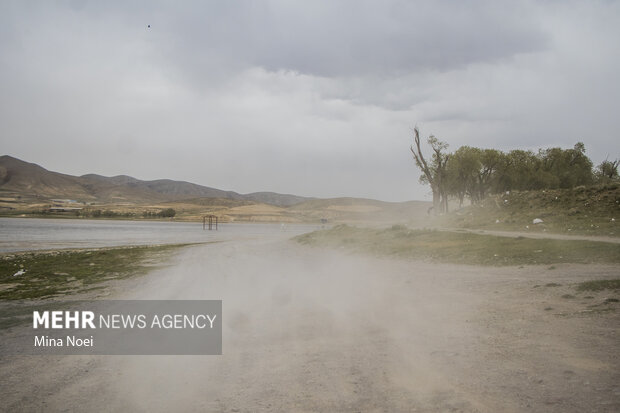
(436, 201)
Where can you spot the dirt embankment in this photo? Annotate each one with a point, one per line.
(592, 211)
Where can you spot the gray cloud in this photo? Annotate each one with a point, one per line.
(353, 38)
(315, 98)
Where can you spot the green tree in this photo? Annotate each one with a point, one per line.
(566, 168)
(491, 161)
(167, 213)
(461, 172)
(607, 171)
(474, 173)
(433, 172)
(522, 171)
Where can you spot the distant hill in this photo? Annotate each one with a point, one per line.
(355, 211)
(30, 180)
(273, 198)
(167, 187)
(27, 187)
(362, 210)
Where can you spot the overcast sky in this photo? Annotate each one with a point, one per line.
(315, 98)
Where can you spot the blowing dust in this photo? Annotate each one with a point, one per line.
(311, 329)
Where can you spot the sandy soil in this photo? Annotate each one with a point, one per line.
(310, 330)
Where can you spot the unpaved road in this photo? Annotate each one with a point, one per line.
(312, 330)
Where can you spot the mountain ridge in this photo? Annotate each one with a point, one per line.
(30, 179)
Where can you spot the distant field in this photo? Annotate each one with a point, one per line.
(336, 210)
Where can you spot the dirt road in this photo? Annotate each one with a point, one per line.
(312, 330)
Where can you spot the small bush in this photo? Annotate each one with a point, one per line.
(167, 213)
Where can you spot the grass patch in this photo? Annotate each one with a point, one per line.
(462, 248)
(599, 285)
(40, 275)
(49, 275)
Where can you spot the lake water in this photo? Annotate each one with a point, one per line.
(22, 234)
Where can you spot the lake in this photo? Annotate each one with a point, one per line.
(23, 234)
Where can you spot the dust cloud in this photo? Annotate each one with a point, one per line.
(309, 329)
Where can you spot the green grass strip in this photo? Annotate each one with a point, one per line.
(462, 248)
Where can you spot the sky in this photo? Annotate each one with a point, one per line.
(314, 98)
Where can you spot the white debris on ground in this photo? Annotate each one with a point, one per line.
(20, 272)
(497, 221)
(537, 221)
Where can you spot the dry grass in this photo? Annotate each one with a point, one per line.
(587, 211)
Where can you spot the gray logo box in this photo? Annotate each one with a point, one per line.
(122, 327)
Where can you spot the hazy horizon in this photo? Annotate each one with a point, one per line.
(313, 99)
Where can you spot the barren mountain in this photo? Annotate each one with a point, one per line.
(33, 181)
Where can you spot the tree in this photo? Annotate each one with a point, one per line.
(566, 168)
(167, 213)
(461, 172)
(607, 171)
(475, 173)
(490, 162)
(433, 173)
(521, 171)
